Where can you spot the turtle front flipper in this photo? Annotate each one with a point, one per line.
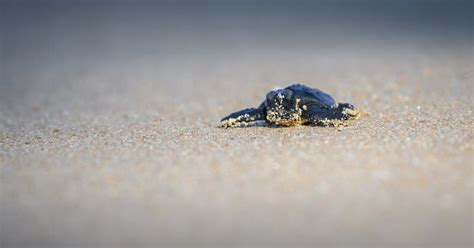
(244, 117)
(337, 116)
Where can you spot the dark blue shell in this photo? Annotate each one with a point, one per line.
(311, 94)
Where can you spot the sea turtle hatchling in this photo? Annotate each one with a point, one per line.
(294, 105)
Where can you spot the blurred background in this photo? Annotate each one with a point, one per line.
(167, 46)
(109, 113)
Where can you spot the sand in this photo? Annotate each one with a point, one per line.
(115, 150)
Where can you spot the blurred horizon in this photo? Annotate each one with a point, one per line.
(50, 44)
(106, 31)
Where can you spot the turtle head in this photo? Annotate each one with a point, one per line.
(282, 107)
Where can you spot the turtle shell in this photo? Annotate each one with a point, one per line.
(313, 95)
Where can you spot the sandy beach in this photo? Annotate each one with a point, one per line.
(109, 133)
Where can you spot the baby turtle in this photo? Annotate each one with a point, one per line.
(294, 105)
